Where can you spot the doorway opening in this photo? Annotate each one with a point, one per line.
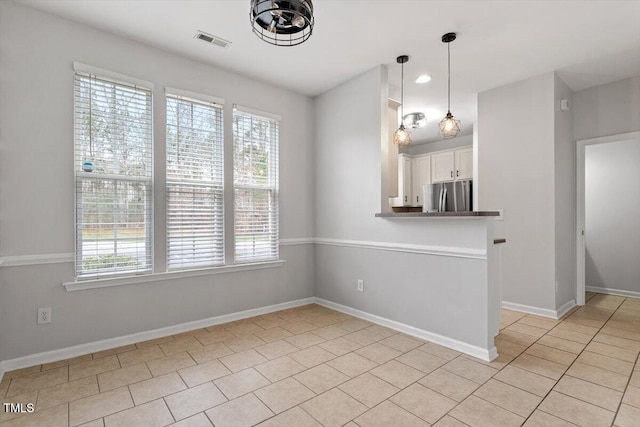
(608, 215)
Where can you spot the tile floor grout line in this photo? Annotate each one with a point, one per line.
(466, 397)
(396, 393)
(175, 420)
(452, 416)
(168, 410)
(569, 367)
(311, 415)
(337, 386)
(498, 371)
(584, 401)
(404, 388)
(567, 319)
(501, 407)
(602, 367)
(523, 352)
(555, 416)
(114, 413)
(625, 388)
(271, 383)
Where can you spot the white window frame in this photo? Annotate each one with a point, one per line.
(217, 104)
(87, 71)
(272, 187)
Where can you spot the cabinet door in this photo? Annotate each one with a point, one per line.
(404, 179)
(442, 167)
(464, 164)
(421, 175)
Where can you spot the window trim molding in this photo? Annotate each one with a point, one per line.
(79, 67)
(256, 112)
(193, 96)
(275, 190)
(168, 275)
(212, 102)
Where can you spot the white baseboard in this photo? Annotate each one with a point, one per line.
(529, 309)
(565, 308)
(544, 312)
(471, 350)
(92, 347)
(610, 291)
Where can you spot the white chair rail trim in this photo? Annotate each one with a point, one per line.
(457, 252)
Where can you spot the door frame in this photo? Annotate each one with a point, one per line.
(580, 207)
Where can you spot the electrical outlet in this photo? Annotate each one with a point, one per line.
(360, 285)
(44, 315)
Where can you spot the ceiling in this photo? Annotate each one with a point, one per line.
(587, 42)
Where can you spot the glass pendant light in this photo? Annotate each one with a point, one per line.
(402, 137)
(449, 126)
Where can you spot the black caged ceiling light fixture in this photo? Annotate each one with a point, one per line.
(282, 22)
(449, 126)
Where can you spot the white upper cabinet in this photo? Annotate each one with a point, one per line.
(420, 175)
(404, 179)
(464, 164)
(442, 166)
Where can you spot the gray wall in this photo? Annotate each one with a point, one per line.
(612, 215)
(516, 165)
(439, 294)
(607, 109)
(37, 51)
(523, 135)
(565, 196)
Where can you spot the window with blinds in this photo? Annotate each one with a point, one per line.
(113, 172)
(195, 226)
(255, 186)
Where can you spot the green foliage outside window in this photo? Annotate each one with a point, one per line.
(108, 261)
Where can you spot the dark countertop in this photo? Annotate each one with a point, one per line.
(436, 214)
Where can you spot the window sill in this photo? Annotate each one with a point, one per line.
(170, 275)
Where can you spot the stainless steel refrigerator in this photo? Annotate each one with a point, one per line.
(448, 197)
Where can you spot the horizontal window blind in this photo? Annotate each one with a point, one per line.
(255, 174)
(195, 219)
(113, 165)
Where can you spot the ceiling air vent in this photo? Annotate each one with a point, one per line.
(209, 38)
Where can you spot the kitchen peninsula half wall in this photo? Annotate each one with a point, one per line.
(436, 278)
(453, 297)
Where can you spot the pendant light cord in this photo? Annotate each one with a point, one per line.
(449, 79)
(402, 93)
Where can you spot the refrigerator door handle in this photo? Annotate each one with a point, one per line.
(443, 202)
(455, 196)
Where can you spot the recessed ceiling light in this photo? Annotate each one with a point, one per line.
(425, 78)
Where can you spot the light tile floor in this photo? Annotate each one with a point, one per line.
(311, 366)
